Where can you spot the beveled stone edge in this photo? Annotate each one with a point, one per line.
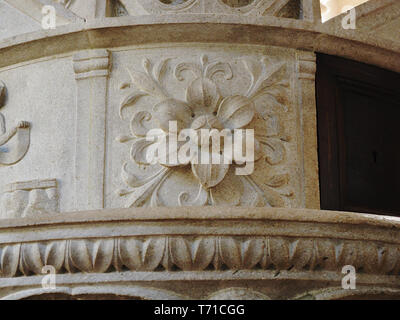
(171, 214)
(229, 275)
(133, 284)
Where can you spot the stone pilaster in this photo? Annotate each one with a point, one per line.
(91, 71)
(306, 68)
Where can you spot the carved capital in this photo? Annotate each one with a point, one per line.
(307, 65)
(90, 64)
(29, 198)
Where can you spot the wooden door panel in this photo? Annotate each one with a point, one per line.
(358, 108)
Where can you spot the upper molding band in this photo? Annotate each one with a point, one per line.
(129, 31)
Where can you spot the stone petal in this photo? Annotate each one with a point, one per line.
(171, 156)
(173, 110)
(228, 192)
(236, 112)
(210, 175)
(203, 93)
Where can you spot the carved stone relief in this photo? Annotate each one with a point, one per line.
(248, 7)
(29, 198)
(212, 99)
(199, 253)
(65, 3)
(118, 9)
(18, 135)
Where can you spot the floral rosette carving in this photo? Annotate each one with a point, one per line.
(204, 107)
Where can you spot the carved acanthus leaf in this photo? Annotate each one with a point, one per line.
(188, 253)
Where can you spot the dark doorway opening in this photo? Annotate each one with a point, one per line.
(358, 115)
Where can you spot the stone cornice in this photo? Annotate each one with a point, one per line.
(142, 30)
(216, 214)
